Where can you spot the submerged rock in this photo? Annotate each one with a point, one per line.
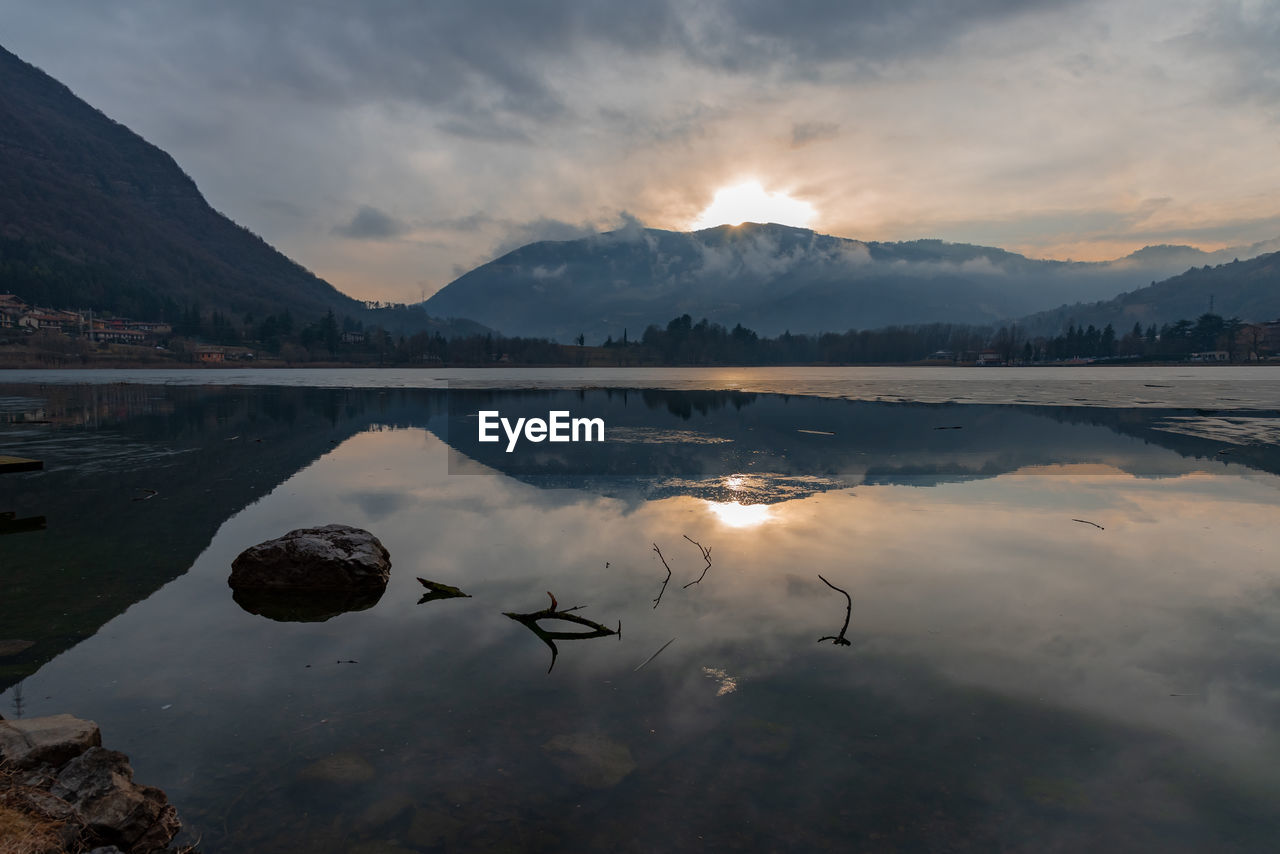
(433, 828)
(339, 768)
(99, 785)
(51, 740)
(591, 759)
(385, 811)
(331, 557)
(14, 646)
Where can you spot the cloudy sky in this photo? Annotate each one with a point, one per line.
(390, 145)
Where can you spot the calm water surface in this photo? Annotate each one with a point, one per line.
(1065, 626)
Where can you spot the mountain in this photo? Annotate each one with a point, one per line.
(94, 216)
(774, 278)
(1249, 290)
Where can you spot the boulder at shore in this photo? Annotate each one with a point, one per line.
(61, 791)
(46, 741)
(332, 557)
(99, 785)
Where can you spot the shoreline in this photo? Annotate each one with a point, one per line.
(267, 364)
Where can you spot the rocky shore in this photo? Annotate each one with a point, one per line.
(62, 791)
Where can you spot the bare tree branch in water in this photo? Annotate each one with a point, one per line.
(840, 639)
(530, 621)
(1087, 522)
(665, 582)
(706, 555)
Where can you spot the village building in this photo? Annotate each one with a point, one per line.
(42, 319)
(117, 335)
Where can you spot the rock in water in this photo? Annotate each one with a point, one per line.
(591, 759)
(332, 557)
(13, 647)
(339, 768)
(99, 785)
(51, 740)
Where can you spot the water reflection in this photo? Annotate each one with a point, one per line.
(305, 606)
(11, 524)
(840, 639)
(436, 590)
(736, 515)
(1015, 679)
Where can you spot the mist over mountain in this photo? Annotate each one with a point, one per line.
(1249, 290)
(775, 278)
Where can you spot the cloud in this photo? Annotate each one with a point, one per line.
(803, 36)
(1239, 41)
(485, 125)
(369, 223)
(803, 133)
(515, 235)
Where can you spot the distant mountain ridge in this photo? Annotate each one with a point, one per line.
(775, 278)
(93, 216)
(1249, 290)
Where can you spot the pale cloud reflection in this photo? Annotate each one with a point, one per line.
(992, 582)
(1162, 624)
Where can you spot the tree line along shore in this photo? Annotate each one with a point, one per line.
(279, 341)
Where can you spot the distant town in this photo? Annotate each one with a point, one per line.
(16, 317)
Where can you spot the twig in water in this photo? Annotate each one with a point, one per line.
(151, 493)
(656, 654)
(668, 579)
(840, 639)
(530, 621)
(1087, 522)
(706, 555)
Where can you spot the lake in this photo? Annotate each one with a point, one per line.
(1063, 606)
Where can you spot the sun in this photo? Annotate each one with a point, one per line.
(750, 202)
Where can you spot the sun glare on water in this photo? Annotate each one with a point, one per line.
(737, 515)
(750, 202)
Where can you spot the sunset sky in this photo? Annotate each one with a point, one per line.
(390, 146)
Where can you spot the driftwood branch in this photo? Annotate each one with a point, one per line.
(530, 622)
(1087, 522)
(666, 581)
(706, 555)
(840, 639)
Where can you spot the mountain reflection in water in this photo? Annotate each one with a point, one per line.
(1012, 679)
